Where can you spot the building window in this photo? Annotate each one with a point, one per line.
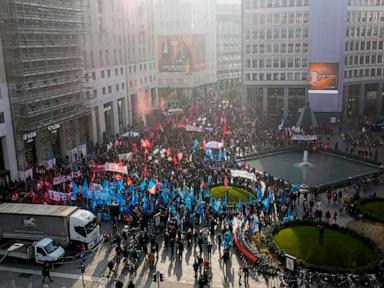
(2, 120)
(109, 73)
(102, 74)
(109, 89)
(116, 71)
(117, 87)
(104, 90)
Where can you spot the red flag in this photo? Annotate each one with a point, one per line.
(168, 152)
(179, 156)
(174, 159)
(204, 144)
(152, 189)
(226, 183)
(134, 148)
(129, 181)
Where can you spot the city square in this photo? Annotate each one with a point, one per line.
(191, 143)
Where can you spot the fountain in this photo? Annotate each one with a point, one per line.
(305, 162)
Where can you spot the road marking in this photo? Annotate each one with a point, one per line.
(53, 274)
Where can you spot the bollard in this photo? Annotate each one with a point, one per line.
(12, 283)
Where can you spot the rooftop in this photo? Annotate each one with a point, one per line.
(36, 209)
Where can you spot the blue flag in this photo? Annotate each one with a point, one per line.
(135, 198)
(218, 205)
(75, 188)
(240, 204)
(255, 226)
(295, 187)
(120, 199)
(266, 203)
(271, 196)
(188, 203)
(195, 145)
(85, 189)
(143, 184)
(259, 193)
(250, 199)
(220, 156)
(93, 200)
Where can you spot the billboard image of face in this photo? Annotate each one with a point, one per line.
(181, 53)
(323, 76)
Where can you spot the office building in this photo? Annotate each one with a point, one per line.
(8, 167)
(121, 64)
(185, 32)
(228, 41)
(328, 53)
(43, 44)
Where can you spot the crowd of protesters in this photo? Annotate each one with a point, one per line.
(170, 171)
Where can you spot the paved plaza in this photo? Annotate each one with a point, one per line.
(177, 273)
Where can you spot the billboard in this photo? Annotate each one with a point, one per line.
(323, 76)
(181, 53)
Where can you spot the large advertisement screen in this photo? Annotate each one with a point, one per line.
(323, 76)
(181, 53)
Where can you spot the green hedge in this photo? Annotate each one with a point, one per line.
(327, 266)
(372, 209)
(234, 193)
(337, 250)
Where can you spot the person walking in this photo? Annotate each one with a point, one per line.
(200, 243)
(151, 259)
(131, 285)
(335, 216)
(46, 272)
(196, 267)
(180, 248)
(119, 284)
(219, 240)
(209, 249)
(110, 267)
(246, 275)
(240, 273)
(119, 251)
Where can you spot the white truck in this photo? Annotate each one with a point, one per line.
(41, 251)
(39, 231)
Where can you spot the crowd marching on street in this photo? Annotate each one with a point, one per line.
(167, 170)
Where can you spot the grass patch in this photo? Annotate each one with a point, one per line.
(376, 208)
(338, 249)
(234, 193)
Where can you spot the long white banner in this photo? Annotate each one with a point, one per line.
(243, 174)
(304, 137)
(61, 179)
(125, 156)
(190, 128)
(58, 196)
(114, 167)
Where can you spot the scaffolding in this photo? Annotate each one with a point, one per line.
(44, 43)
(45, 48)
